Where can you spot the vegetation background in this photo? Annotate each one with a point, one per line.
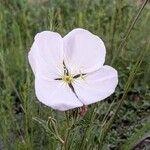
(120, 122)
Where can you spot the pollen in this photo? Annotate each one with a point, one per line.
(68, 78)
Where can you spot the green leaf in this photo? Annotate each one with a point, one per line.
(42, 123)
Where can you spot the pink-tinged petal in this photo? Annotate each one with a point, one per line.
(84, 51)
(46, 54)
(55, 94)
(97, 86)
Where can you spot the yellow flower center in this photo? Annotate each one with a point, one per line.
(68, 78)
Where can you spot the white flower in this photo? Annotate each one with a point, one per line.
(69, 71)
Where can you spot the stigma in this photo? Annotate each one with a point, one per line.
(68, 79)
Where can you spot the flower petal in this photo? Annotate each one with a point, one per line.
(97, 85)
(55, 94)
(31, 57)
(84, 51)
(46, 54)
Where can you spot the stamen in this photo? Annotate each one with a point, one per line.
(58, 79)
(66, 72)
(79, 75)
(73, 90)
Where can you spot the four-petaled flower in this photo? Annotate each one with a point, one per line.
(69, 71)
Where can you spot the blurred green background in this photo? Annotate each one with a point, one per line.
(20, 20)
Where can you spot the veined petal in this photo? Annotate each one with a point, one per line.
(84, 51)
(96, 86)
(46, 54)
(55, 94)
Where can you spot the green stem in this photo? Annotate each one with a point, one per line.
(87, 131)
(126, 89)
(69, 127)
(60, 139)
(122, 44)
(115, 20)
